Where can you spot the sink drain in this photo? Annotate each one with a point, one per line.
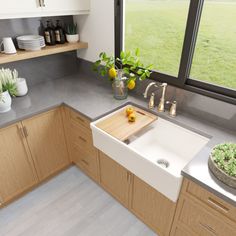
(163, 163)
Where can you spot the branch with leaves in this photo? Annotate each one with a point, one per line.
(129, 63)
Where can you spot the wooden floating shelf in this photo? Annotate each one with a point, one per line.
(48, 50)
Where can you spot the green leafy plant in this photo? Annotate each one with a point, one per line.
(224, 155)
(71, 29)
(128, 62)
(8, 81)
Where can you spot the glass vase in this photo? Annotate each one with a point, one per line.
(119, 86)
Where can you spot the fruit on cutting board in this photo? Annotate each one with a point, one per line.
(129, 110)
(132, 117)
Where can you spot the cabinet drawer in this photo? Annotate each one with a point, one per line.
(79, 119)
(202, 222)
(86, 161)
(82, 137)
(211, 200)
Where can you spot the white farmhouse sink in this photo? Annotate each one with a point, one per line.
(156, 155)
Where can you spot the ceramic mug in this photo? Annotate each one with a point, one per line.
(21, 87)
(8, 46)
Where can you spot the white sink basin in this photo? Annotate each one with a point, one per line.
(157, 154)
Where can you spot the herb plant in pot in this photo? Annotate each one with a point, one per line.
(72, 35)
(222, 163)
(7, 89)
(122, 71)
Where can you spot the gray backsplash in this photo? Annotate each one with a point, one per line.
(46, 68)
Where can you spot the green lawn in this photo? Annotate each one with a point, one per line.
(157, 27)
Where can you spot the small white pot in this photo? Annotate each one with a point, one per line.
(72, 38)
(5, 102)
(21, 87)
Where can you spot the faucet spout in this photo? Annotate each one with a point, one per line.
(148, 87)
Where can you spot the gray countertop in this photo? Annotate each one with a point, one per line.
(93, 98)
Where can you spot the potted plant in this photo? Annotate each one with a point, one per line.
(7, 88)
(123, 71)
(72, 35)
(222, 163)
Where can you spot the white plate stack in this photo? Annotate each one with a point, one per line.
(30, 42)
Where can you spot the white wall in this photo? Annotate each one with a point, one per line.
(97, 29)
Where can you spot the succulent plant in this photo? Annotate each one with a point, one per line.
(71, 29)
(224, 155)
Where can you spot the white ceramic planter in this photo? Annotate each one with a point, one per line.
(72, 38)
(5, 102)
(21, 87)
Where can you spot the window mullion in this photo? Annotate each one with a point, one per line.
(193, 21)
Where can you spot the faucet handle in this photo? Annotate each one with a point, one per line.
(173, 108)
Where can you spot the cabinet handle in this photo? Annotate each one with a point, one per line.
(42, 3)
(208, 228)
(85, 162)
(128, 176)
(84, 140)
(217, 205)
(25, 131)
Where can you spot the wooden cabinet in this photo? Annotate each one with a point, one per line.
(80, 143)
(115, 179)
(152, 207)
(46, 140)
(17, 173)
(29, 8)
(200, 212)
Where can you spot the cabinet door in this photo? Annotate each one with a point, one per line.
(46, 139)
(15, 9)
(115, 178)
(152, 207)
(63, 7)
(17, 172)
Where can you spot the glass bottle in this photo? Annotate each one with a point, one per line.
(59, 33)
(49, 34)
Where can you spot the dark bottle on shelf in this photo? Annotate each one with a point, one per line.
(59, 33)
(49, 34)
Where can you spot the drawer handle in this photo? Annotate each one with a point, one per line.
(208, 228)
(85, 162)
(80, 119)
(217, 205)
(83, 139)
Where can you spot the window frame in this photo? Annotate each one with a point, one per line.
(183, 79)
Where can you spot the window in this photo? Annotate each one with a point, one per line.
(157, 28)
(214, 59)
(191, 43)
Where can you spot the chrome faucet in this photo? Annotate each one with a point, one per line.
(161, 106)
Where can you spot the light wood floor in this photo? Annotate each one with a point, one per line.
(69, 205)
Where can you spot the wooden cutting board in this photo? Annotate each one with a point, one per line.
(119, 127)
